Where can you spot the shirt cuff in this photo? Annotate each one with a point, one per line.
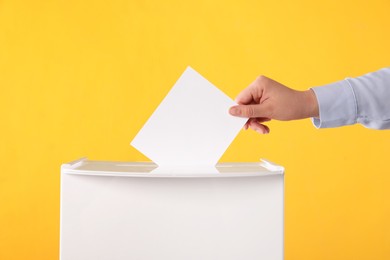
(337, 105)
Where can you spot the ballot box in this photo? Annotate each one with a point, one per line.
(138, 211)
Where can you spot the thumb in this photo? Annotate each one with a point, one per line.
(248, 111)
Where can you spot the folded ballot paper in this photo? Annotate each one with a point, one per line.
(191, 126)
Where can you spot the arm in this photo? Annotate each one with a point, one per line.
(364, 100)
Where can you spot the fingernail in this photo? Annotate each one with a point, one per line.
(235, 111)
(260, 132)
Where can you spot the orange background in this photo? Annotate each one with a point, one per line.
(80, 78)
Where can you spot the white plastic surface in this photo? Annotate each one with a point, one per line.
(109, 212)
(149, 169)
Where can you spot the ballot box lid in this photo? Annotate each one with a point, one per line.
(149, 169)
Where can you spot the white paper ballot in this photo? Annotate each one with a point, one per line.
(191, 126)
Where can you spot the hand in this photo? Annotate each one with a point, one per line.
(266, 99)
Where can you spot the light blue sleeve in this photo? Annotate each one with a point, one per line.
(364, 100)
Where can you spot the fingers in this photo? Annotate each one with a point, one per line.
(246, 126)
(256, 125)
(245, 97)
(249, 111)
(253, 93)
(259, 120)
(249, 106)
(260, 128)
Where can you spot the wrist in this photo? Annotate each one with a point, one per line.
(310, 104)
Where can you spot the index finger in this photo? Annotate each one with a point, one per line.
(246, 96)
(252, 94)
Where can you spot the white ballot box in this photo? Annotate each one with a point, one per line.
(137, 211)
